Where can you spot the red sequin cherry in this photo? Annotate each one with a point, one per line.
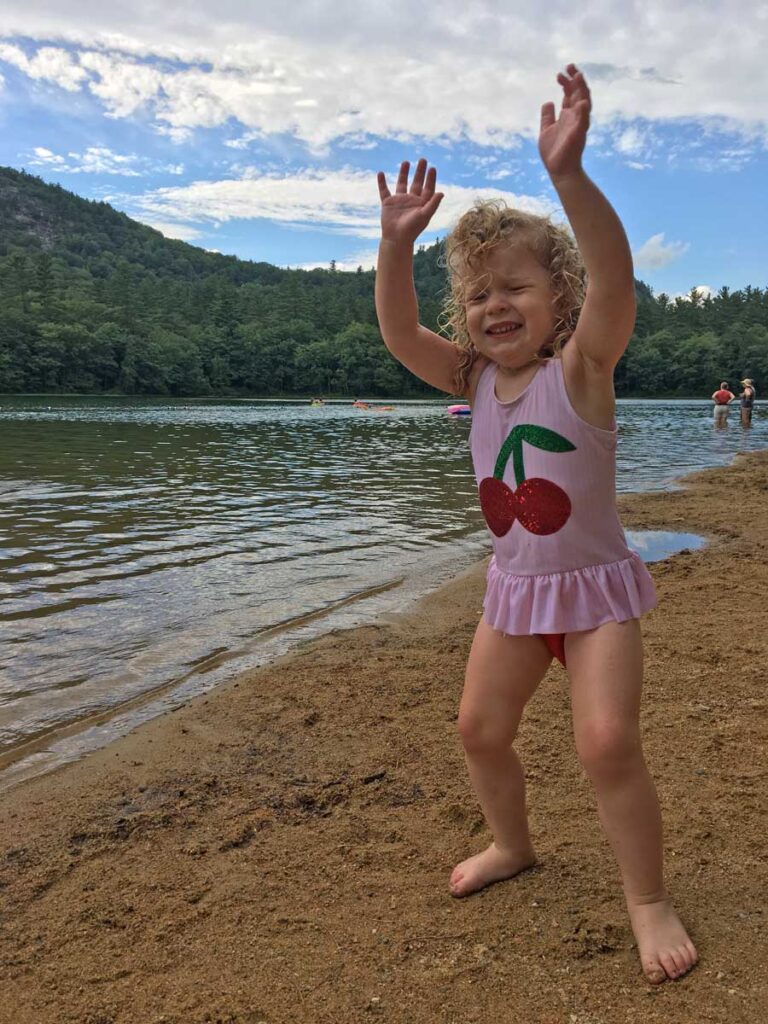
(498, 505)
(541, 506)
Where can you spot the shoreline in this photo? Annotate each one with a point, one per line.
(278, 849)
(437, 397)
(70, 741)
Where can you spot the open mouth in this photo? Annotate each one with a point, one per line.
(504, 330)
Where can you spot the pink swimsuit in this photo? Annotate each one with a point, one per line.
(547, 482)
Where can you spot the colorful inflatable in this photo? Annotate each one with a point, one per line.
(459, 410)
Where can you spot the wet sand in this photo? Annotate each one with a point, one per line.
(279, 850)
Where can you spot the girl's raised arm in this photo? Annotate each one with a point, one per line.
(608, 315)
(404, 215)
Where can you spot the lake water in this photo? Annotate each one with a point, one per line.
(150, 548)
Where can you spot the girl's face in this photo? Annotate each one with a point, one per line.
(510, 312)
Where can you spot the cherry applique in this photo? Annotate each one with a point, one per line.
(541, 506)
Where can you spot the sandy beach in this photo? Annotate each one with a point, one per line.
(279, 850)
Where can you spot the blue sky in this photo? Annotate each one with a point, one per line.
(229, 127)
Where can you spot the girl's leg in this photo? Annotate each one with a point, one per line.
(605, 667)
(502, 674)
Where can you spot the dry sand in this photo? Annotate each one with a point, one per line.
(279, 851)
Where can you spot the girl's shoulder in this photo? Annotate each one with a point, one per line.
(480, 364)
(589, 390)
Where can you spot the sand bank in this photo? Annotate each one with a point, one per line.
(278, 851)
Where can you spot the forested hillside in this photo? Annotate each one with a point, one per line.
(93, 302)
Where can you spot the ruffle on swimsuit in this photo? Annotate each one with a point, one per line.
(568, 601)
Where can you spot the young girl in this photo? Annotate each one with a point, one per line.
(535, 355)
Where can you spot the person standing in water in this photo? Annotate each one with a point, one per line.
(722, 399)
(747, 398)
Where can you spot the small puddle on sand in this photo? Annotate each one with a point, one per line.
(654, 545)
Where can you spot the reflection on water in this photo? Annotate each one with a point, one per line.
(655, 545)
(141, 539)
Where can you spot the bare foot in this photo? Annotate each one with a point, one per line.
(665, 950)
(492, 865)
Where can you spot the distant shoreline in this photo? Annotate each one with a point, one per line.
(325, 398)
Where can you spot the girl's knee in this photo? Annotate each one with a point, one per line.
(605, 748)
(480, 734)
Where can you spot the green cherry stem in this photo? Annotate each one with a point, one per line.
(512, 444)
(539, 437)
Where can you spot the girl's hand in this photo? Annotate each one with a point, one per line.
(562, 139)
(406, 214)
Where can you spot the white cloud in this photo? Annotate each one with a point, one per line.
(631, 142)
(344, 201)
(726, 158)
(493, 166)
(351, 71)
(94, 160)
(244, 141)
(636, 142)
(100, 160)
(49, 63)
(703, 291)
(123, 85)
(366, 259)
(656, 253)
(184, 232)
(360, 141)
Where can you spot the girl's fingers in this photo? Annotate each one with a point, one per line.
(580, 114)
(567, 88)
(418, 178)
(547, 115)
(402, 178)
(574, 83)
(422, 185)
(384, 192)
(429, 185)
(574, 76)
(432, 205)
(581, 89)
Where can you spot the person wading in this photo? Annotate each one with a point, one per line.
(722, 399)
(747, 398)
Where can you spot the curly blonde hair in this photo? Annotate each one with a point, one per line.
(488, 224)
